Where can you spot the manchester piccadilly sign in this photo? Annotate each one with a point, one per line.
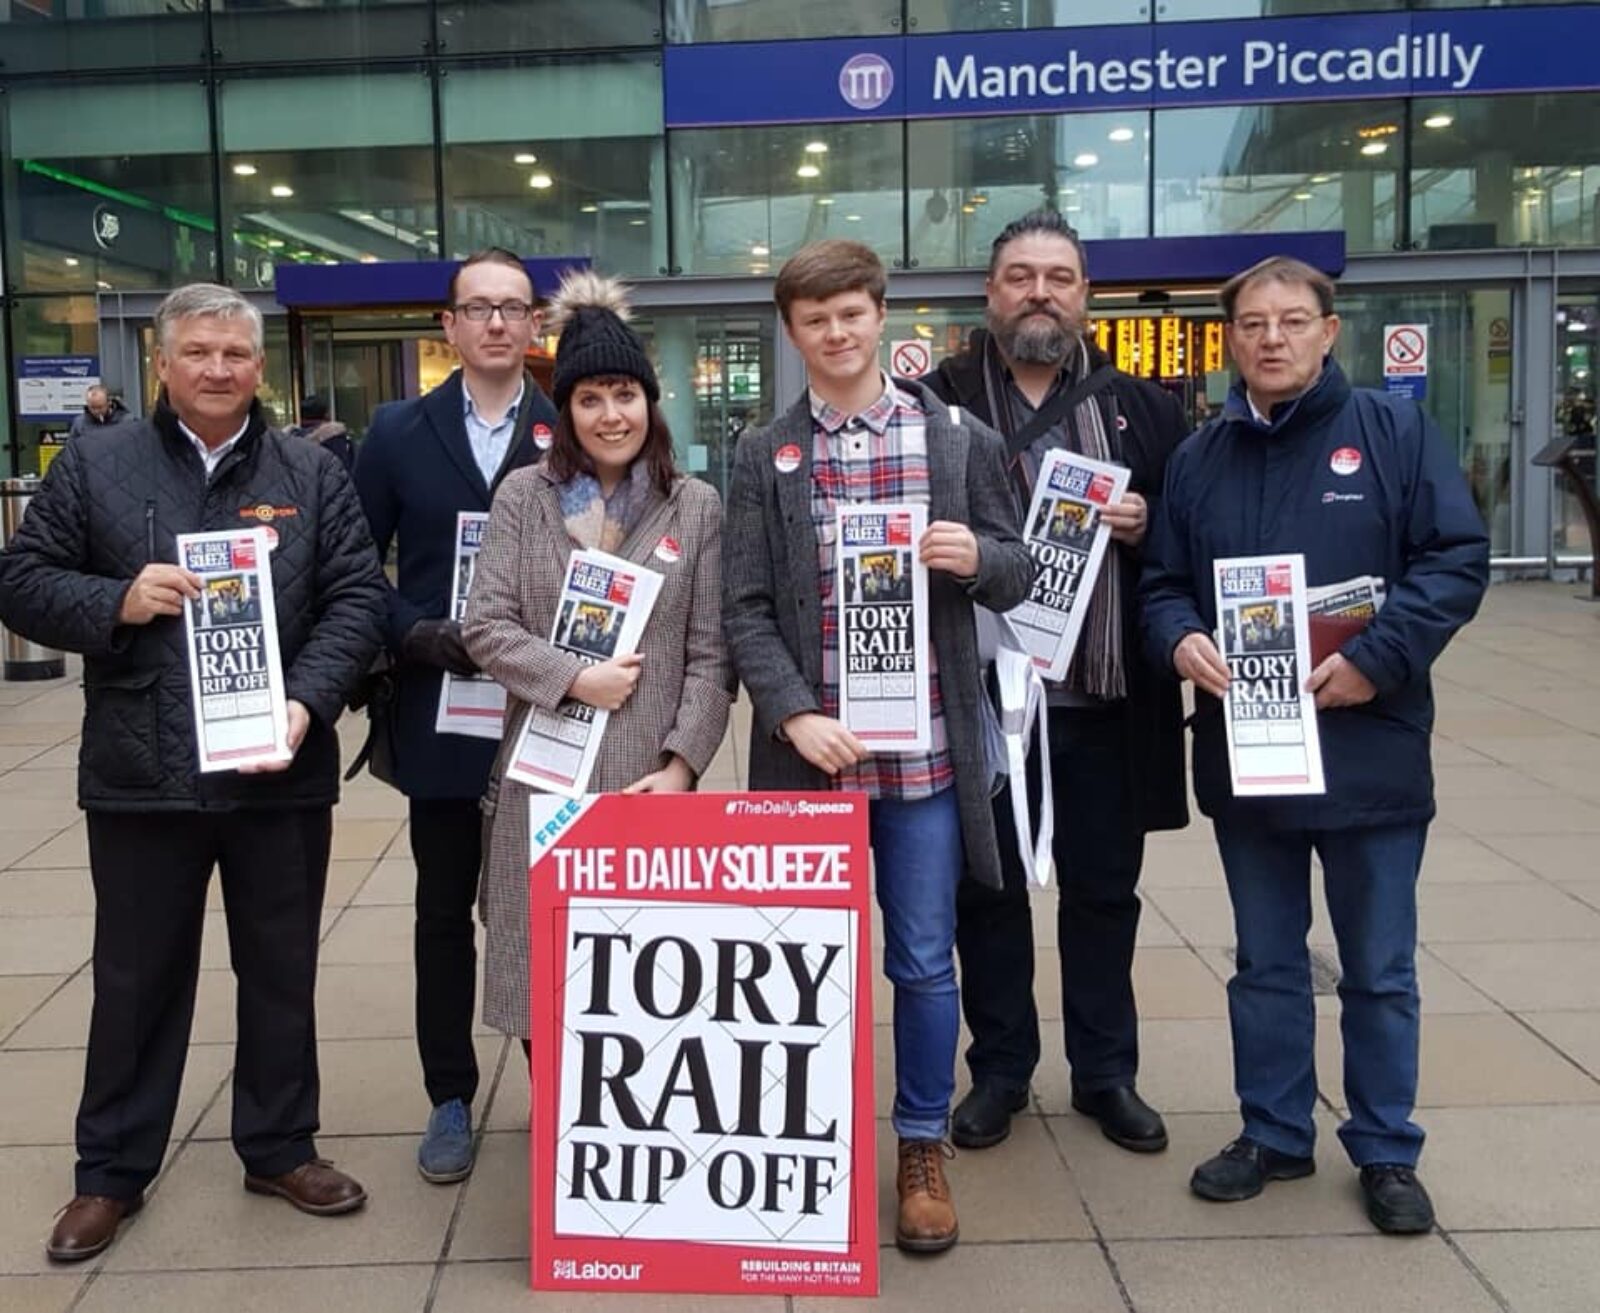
(1143, 65)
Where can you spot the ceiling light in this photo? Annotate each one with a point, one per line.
(103, 285)
(1375, 148)
(71, 262)
(1087, 160)
(852, 218)
(1071, 209)
(808, 171)
(1120, 134)
(541, 182)
(245, 170)
(588, 209)
(979, 200)
(1320, 178)
(760, 250)
(924, 309)
(636, 223)
(369, 259)
(824, 200)
(1438, 121)
(816, 148)
(274, 243)
(1573, 325)
(282, 190)
(1302, 196)
(525, 157)
(969, 209)
(1069, 191)
(1574, 173)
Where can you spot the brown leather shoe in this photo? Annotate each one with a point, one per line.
(316, 1187)
(88, 1225)
(927, 1221)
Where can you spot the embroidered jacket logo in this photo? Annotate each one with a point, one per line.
(267, 513)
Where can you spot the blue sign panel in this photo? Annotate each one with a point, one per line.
(395, 282)
(1140, 66)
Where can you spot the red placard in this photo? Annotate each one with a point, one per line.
(702, 1045)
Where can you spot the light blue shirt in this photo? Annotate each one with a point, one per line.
(490, 443)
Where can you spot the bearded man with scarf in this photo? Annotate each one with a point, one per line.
(1116, 724)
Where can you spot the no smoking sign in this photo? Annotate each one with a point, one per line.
(1405, 360)
(910, 358)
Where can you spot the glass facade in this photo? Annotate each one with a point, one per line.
(144, 143)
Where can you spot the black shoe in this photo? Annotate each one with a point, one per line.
(983, 1118)
(1125, 1118)
(1242, 1170)
(1396, 1201)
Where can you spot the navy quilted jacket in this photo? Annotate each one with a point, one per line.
(114, 501)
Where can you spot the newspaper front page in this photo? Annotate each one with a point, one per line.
(881, 590)
(1338, 612)
(1068, 541)
(604, 606)
(235, 671)
(1273, 748)
(469, 704)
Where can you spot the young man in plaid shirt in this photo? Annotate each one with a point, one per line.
(860, 436)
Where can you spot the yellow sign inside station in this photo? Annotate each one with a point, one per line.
(1161, 346)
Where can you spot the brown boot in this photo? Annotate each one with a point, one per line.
(927, 1221)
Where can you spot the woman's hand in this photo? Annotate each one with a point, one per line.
(674, 777)
(608, 684)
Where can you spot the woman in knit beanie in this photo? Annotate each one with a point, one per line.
(608, 482)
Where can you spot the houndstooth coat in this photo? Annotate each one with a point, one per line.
(679, 705)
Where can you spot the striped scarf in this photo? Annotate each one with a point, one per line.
(1097, 666)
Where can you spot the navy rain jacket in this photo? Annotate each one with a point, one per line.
(1242, 488)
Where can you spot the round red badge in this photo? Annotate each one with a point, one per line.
(1347, 460)
(272, 537)
(668, 550)
(543, 436)
(787, 458)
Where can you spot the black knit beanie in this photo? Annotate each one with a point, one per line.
(596, 341)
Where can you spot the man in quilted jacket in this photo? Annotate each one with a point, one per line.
(92, 570)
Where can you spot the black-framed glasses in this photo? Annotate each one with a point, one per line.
(480, 312)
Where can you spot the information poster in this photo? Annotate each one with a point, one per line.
(702, 1114)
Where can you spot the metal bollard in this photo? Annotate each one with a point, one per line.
(24, 659)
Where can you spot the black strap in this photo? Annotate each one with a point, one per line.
(1056, 409)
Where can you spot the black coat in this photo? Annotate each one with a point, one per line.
(415, 471)
(1144, 424)
(113, 502)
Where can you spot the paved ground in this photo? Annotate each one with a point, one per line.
(1056, 1218)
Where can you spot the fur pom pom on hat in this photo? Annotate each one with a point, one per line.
(591, 312)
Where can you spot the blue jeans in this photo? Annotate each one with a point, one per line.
(917, 854)
(1370, 876)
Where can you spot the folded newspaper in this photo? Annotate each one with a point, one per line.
(1273, 748)
(881, 590)
(235, 672)
(1068, 541)
(469, 704)
(1338, 612)
(604, 605)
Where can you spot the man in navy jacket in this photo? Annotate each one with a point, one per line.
(420, 463)
(1361, 484)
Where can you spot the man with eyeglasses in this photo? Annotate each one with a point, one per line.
(421, 463)
(1361, 483)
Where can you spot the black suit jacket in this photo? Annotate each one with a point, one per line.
(415, 471)
(1145, 425)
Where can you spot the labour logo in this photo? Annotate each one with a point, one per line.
(866, 81)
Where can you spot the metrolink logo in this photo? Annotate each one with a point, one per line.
(866, 81)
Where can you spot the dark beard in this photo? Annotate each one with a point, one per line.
(1033, 339)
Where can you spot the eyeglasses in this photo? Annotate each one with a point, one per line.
(1295, 324)
(480, 312)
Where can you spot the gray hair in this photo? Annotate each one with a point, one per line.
(207, 300)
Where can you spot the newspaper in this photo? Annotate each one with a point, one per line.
(881, 590)
(235, 671)
(1068, 541)
(601, 613)
(1338, 612)
(469, 704)
(1273, 748)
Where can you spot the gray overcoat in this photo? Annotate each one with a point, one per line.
(679, 705)
(772, 612)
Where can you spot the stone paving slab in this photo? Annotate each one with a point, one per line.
(1056, 1218)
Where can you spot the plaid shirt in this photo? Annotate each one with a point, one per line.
(880, 455)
